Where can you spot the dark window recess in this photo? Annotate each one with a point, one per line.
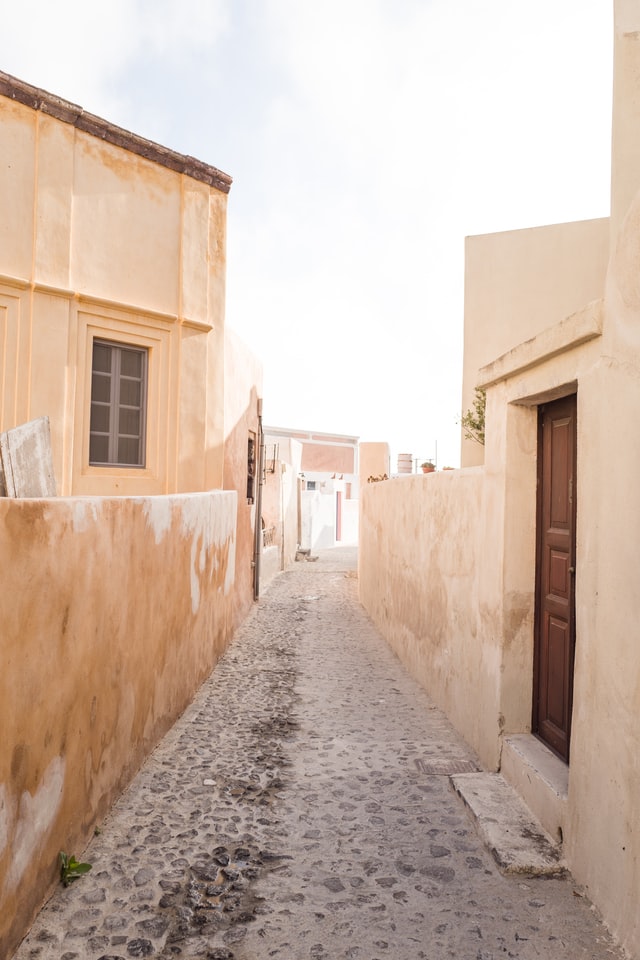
(251, 467)
(118, 405)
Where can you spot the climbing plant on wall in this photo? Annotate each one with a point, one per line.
(473, 420)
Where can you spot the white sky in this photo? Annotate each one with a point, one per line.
(366, 139)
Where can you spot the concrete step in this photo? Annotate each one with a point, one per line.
(540, 778)
(516, 839)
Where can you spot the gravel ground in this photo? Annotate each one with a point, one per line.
(301, 808)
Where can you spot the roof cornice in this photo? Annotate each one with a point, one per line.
(71, 113)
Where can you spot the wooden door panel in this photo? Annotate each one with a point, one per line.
(560, 472)
(558, 574)
(554, 704)
(555, 581)
(558, 647)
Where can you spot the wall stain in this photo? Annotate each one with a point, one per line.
(19, 761)
(518, 612)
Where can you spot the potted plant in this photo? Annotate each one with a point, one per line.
(428, 466)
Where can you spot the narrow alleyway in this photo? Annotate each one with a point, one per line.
(293, 813)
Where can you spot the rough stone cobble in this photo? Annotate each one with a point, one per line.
(294, 812)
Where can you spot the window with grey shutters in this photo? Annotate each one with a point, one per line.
(118, 405)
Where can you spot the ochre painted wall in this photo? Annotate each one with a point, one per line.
(110, 236)
(243, 389)
(113, 612)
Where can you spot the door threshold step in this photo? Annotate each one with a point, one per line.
(516, 840)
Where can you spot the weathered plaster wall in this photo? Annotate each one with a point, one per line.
(604, 369)
(99, 240)
(325, 458)
(322, 452)
(421, 551)
(447, 572)
(99, 658)
(280, 497)
(594, 352)
(272, 499)
(243, 389)
(375, 461)
(604, 770)
(543, 319)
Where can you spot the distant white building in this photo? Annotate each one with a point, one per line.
(328, 485)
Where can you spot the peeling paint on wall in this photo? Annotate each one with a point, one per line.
(208, 528)
(114, 611)
(85, 514)
(35, 816)
(198, 516)
(6, 817)
(158, 512)
(198, 563)
(230, 576)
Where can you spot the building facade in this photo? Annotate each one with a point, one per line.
(120, 593)
(112, 274)
(510, 587)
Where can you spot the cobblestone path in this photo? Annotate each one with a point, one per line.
(297, 811)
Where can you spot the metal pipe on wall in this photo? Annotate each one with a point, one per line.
(257, 540)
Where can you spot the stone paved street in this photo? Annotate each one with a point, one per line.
(299, 809)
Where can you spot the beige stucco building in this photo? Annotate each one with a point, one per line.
(109, 240)
(509, 587)
(119, 594)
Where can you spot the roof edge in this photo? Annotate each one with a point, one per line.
(67, 112)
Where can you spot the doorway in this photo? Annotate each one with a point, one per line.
(554, 643)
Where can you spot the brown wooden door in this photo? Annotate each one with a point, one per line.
(555, 593)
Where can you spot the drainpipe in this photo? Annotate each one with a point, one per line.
(257, 540)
